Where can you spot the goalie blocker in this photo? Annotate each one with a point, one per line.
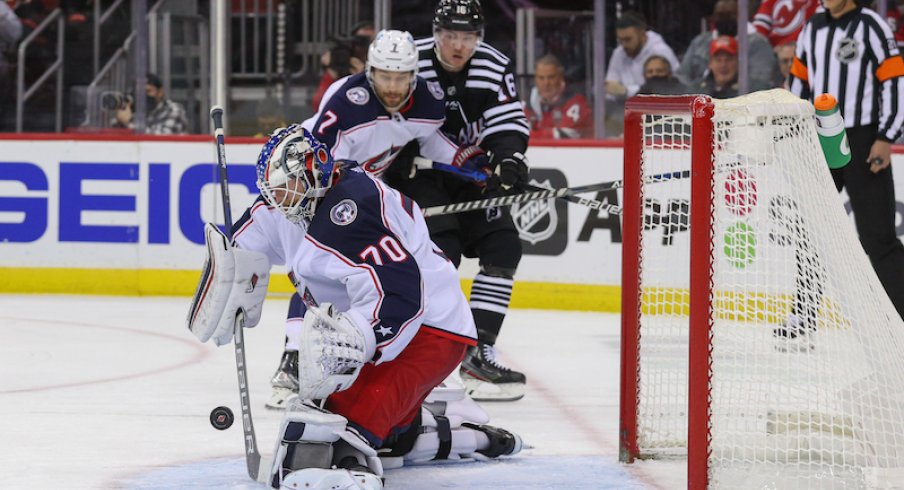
(233, 281)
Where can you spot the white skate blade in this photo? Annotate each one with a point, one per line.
(321, 479)
(280, 397)
(489, 392)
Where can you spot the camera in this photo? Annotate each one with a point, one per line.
(113, 101)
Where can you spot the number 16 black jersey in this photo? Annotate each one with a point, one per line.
(482, 104)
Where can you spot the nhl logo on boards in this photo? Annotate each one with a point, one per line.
(435, 90)
(848, 50)
(536, 220)
(357, 95)
(344, 213)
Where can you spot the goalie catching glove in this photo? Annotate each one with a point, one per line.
(332, 351)
(233, 281)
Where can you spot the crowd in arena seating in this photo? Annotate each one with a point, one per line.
(560, 99)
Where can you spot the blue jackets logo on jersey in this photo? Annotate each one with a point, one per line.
(436, 90)
(358, 95)
(344, 212)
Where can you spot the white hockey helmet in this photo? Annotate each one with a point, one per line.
(392, 51)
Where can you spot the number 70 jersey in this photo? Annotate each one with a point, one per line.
(368, 252)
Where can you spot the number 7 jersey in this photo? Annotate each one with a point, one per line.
(367, 250)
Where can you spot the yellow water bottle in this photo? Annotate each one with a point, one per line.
(830, 128)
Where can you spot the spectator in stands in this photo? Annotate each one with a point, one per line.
(785, 55)
(556, 110)
(721, 79)
(337, 63)
(625, 73)
(763, 71)
(10, 33)
(658, 78)
(635, 44)
(894, 14)
(346, 57)
(164, 116)
(780, 21)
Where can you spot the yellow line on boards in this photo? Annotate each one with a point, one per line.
(160, 282)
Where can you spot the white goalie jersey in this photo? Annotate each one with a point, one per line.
(367, 251)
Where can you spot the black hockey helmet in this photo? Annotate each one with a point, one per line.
(458, 15)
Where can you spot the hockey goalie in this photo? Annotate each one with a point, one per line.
(386, 321)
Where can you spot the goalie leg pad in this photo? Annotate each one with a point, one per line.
(450, 400)
(233, 281)
(442, 438)
(331, 479)
(306, 437)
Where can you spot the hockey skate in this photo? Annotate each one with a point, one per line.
(794, 336)
(284, 381)
(486, 379)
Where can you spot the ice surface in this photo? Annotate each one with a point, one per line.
(114, 392)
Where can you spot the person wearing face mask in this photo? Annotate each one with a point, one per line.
(762, 66)
(164, 116)
(556, 110)
(658, 79)
(635, 45)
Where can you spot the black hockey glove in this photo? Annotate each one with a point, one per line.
(511, 175)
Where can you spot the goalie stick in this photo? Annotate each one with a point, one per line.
(253, 461)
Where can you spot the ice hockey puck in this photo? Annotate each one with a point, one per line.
(221, 418)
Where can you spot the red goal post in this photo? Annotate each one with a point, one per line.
(701, 143)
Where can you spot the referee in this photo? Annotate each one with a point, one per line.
(850, 52)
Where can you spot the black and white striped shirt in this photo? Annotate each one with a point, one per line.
(854, 58)
(482, 104)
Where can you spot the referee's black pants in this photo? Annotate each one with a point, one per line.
(873, 202)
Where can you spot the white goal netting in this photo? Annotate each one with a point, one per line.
(807, 352)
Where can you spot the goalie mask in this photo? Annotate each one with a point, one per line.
(294, 172)
(392, 68)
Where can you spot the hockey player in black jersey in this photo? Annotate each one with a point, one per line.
(482, 110)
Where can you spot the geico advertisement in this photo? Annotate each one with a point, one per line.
(142, 205)
(123, 205)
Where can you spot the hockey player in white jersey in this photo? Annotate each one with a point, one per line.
(369, 118)
(391, 322)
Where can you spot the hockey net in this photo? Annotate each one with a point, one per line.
(756, 339)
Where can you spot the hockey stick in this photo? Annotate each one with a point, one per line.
(461, 207)
(425, 163)
(252, 455)
(478, 176)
